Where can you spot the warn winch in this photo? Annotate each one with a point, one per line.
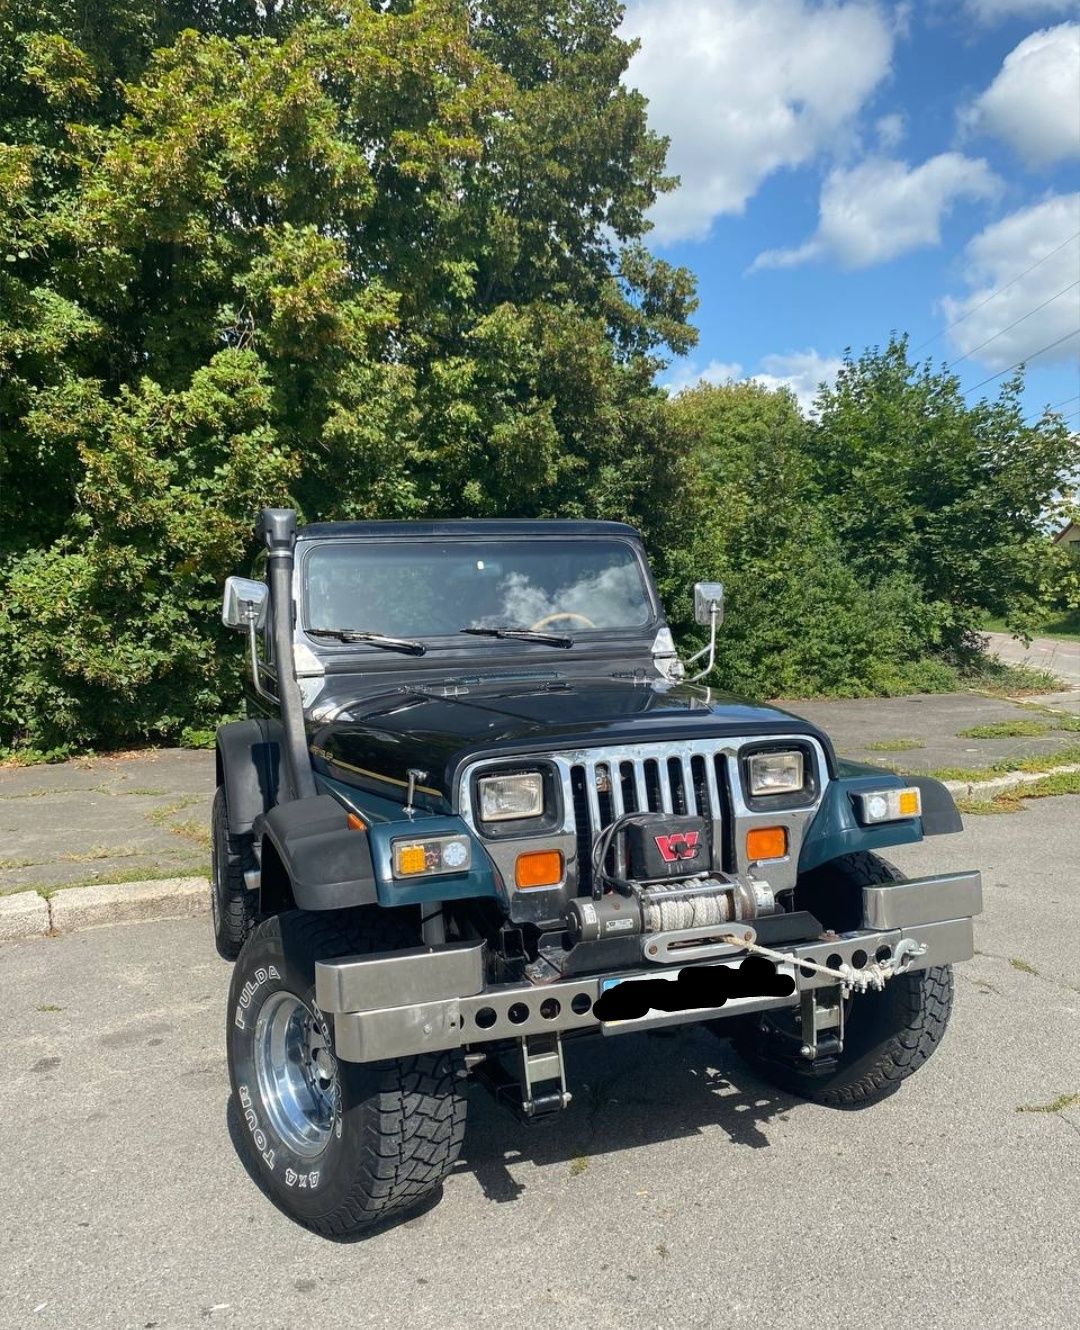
(671, 887)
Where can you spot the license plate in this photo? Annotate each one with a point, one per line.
(731, 1002)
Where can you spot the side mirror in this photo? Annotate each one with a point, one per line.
(708, 610)
(244, 604)
(709, 603)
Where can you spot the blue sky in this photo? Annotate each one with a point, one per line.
(855, 167)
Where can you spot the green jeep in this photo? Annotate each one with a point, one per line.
(477, 810)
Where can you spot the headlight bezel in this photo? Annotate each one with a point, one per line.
(547, 820)
(806, 793)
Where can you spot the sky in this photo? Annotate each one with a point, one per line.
(850, 168)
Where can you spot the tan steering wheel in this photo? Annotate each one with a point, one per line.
(561, 614)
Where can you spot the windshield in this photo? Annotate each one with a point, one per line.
(436, 588)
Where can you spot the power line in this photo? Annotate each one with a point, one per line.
(1026, 361)
(1009, 326)
(1056, 406)
(1037, 264)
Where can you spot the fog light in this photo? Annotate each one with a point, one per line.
(766, 843)
(539, 868)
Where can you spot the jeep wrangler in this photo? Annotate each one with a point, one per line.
(477, 810)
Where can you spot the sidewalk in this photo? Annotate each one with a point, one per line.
(1045, 653)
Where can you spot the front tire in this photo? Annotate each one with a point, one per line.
(888, 1035)
(340, 1147)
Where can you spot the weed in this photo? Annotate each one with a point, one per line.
(578, 1165)
(1064, 757)
(1011, 799)
(1063, 1101)
(192, 830)
(1007, 729)
(1025, 967)
(894, 746)
(49, 1006)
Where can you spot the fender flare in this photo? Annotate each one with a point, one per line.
(248, 756)
(326, 865)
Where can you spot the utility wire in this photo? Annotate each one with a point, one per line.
(1056, 408)
(1034, 355)
(1037, 264)
(1009, 326)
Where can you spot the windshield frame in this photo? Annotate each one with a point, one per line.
(460, 643)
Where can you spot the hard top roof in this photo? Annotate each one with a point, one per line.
(468, 526)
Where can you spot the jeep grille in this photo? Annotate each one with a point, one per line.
(604, 784)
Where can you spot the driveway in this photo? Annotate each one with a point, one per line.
(677, 1191)
(1045, 653)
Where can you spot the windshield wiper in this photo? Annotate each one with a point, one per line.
(402, 644)
(521, 635)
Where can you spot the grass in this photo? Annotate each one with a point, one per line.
(894, 746)
(1007, 729)
(1011, 800)
(578, 1165)
(192, 830)
(1025, 967)
(1064, 627)
(1063, 1101)
(1064, 757)
(154, 873)
(998, 678)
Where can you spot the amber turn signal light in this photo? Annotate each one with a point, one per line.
(539, 868)
(766, 843)
(355, 823)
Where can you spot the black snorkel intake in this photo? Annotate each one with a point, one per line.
(277, 527)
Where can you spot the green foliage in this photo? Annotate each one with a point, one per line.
(860, 549)
(365, 260)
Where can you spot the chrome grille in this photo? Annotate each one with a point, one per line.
(602, 785)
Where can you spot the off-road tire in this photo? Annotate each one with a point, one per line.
(888, 1034)
(397, 1126)
(233, 909)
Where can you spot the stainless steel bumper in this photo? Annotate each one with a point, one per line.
(425, 999)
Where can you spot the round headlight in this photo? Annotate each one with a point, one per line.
(509, 798)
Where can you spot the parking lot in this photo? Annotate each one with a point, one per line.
(677, 1190)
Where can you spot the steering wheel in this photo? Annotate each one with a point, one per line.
(561, 614)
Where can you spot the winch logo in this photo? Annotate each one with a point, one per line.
(679, 845)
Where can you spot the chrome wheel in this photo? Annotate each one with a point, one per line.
(296, 1074)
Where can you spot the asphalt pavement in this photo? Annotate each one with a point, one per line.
(677, 1191)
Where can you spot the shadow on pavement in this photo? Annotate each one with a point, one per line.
(629, 1093)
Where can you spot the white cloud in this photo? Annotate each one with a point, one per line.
(1044, 234)
(747, 87)
(993, 11)
(685, 374)
(1034, 102)
(882, 208)
(891, 130)
(801, 371)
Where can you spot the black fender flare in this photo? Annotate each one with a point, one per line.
(326, 862)
(248, 755)
(940, 816)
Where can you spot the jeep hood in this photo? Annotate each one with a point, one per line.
(373, 742)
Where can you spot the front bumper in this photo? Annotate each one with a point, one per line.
(427, 999)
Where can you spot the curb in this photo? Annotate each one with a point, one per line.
(26, 914)
(1006, 782)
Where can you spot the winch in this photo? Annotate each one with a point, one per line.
(671, 886)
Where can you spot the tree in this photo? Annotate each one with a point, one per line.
(372, 260)
(913, 479)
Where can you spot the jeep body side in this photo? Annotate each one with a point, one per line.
(476, 811)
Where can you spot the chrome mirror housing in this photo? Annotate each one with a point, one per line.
(709, 611)
(709, 603)
(244, 604)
